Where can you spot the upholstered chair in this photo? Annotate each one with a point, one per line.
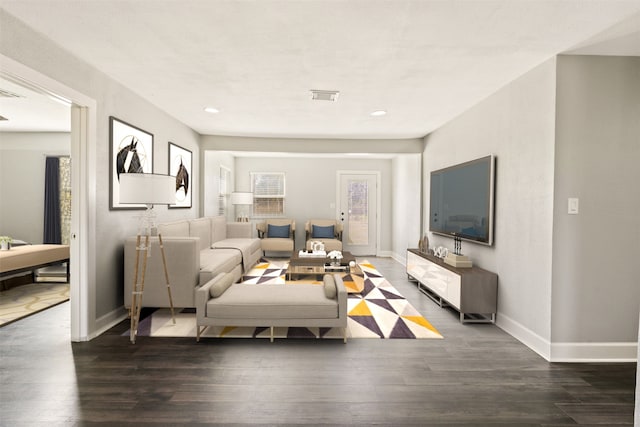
(327, 231)
(277, 234)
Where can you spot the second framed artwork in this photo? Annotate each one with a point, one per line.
(180, 166)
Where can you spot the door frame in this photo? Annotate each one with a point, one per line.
(377, 175)
(83, 137)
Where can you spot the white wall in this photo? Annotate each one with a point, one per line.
(517, 125)
(406, 199)
(22, 166)
(311, 187)
(595, 253)
(107, 229)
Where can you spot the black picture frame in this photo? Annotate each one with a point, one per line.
(131, 151)
(181, 167)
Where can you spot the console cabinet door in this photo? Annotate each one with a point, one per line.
(445, 283)
(454, 290)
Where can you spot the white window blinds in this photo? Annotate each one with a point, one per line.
(268, 193)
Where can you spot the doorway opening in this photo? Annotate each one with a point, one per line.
(81, 152)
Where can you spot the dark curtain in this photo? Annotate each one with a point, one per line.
(52, 230)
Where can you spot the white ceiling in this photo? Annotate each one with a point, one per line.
(424, 62)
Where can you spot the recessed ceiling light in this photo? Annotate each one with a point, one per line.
(378, 113)
(211, 110)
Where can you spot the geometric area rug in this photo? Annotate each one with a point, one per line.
(377, 311)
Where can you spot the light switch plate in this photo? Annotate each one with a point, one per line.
(574, 206)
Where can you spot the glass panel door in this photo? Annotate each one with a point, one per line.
(358, 213)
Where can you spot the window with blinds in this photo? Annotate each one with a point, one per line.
(268, 193)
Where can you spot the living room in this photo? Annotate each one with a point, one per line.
(525, 137)
(552, 130)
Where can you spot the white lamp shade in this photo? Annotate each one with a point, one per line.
(240, 198)
(147, 188)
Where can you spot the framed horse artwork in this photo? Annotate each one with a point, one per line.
(131, 152)
(180, 160)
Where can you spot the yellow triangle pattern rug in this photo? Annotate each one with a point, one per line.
(377, 311)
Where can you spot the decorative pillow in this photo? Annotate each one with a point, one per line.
(221, 285)
(319, 232)
(281, 231)
(330, 290)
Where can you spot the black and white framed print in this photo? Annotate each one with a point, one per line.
(180, 166)
(131, 152)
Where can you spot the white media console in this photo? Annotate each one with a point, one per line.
(473, 292)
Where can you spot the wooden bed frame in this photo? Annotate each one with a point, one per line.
(31, 257)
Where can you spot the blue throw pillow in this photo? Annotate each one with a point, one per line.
(281, 231)
(318, 232)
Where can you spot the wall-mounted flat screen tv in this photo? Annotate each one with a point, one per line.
(461, 202)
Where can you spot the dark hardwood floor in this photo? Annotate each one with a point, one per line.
(476, 376)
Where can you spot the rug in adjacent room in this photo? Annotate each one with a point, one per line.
(378, 311)
(25, 300)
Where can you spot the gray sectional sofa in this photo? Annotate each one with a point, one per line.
(196, 251)
(222, 302)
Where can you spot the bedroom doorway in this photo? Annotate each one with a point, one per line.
(82, 151)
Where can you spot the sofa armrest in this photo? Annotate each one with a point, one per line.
(239, 230)
(203, 295)
(342, 296)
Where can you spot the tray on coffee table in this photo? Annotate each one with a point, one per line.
(299, 266)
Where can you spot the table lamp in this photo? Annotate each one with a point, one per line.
(239, 198)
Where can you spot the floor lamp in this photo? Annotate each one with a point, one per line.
(149, 189)
(239, 198)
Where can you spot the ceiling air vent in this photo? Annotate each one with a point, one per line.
(8, 94)
(324, 95)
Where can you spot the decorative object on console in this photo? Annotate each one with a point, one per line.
(441, 252)
(5, 243)
(149, 189)
(180, 167)
(317, 246)
(241, 199)
(131, 152)
(456, 259)
(425, 243)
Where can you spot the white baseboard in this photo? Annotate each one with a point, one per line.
(108, 321)
(594, 352)
(526, 336)
(569, 352)
(384, 254)
(402, 259)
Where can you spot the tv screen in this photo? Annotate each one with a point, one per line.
(461, 202)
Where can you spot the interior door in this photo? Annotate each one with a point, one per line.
(357, 209)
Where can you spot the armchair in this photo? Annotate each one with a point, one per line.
(277, 234)
(327, 231)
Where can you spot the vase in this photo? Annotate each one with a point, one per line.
(4, 246)
(425, 244)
